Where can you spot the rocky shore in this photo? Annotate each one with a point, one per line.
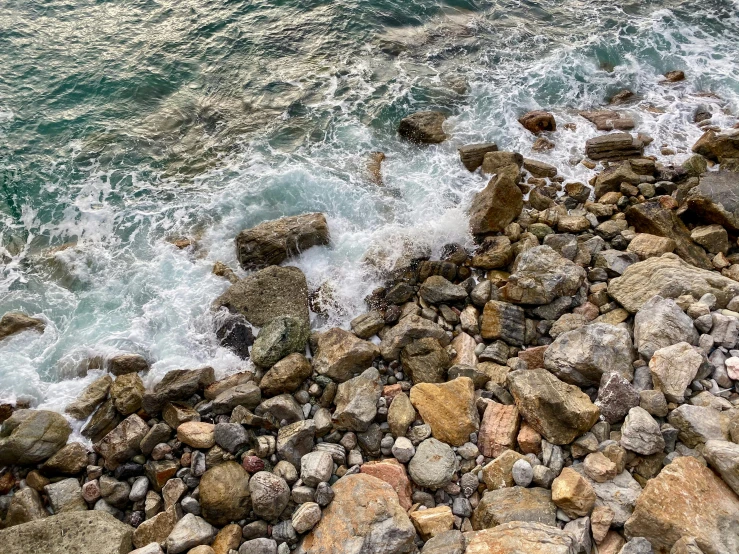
(568, 386)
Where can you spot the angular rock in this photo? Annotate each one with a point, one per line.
(661, 323)
(280, 337)
(472, 155)
(697, 425)
(423, 127)
(673, 368)
(582, 356)
(367, 325)
(718, 145)
(560, 412)
(520, 536)
(616, 396)
(640, 433)
(614, 146)
(510, 504)
(295, 440)
(687, 499)
(498, 430)
(340, 355)
(93, 395)
(493, 161)
(504, 321)
(573, 494)
(356, 401)
(124, 364)
(65, 496)
(407, 330)
(123, 442)
(70, 460)
(670, 277)
(499, 203)
(179, 384)
(646, 246)
(723, 456)
(498, 474)
(610, 180)
(273, 242)
(433, 521)
(393, 473)
(32, 436)
(714, 201)
(449, 408)
(425, 361)
(127, 393)
(618, 494)
(438, 290)
(608, 120)
(247, 394)
(286, 375)
(540, 275)
(713, 238)
(538, 121)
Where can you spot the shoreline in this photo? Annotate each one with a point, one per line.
(555, 386)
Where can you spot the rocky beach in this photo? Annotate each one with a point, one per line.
(568, 384)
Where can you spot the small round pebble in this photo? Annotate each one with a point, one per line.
(523, 473)
(403, 450)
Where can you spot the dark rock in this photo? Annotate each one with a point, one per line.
(715, 199)
(423, 127)
(236, 334)
(179, 384)
(473, 154)
(127, 363)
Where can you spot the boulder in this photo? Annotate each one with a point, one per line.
(717, 146)
(714, 199)
(123, 442)
(268, 293)
(31, 436)
(449, 408)
(673, 368)
(90, 398)
(670, 277)
(224, 494)
(687, 499)
(286, 375)
(127, 393)
(364, 517)
(560, 412)
(16, 322)
(653, 218)
(407, 330)
(504, 321)
(273, 242)
(179, 384)
(646, 246)
(356, 401)
(582, 356)
(614, 146)
(494, 253)
(280, 337)
(438, 290)
(498, 204)
(124, 364)
(723, 456)
(423, 127)
(537, 121)
(340, 355)
(540, 275)
(661, 323)
(472, 155)
(609, 120)
(493, 161)
(514, 504)
(88, 531)
(522, 536)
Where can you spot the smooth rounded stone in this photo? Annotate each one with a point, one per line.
(316, 467)
(259, 546)
(403, 450)
(189, 532)
(280, 337)
(306, 517)
(356, 401)
(152, 548)
(127, 393)
(400, 414)
(367, 325)
(224, 494)
(433, 465)
(32, 436)
(88, 531)
(286, 376)
(269, 494)
(114, 492)
(202, 549)
(523, 473)
(347, 526)
(124, 364)
(197, 434)
(673, 368)
(582, 356)
(640, 433)
(616, 396)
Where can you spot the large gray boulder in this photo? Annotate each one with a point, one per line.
(582, 356)
(73, 532)
(723, 456)
(540, 275)
(32, 436)
(273, 242)
(282, 336)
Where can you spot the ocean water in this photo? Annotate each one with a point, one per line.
(126, 125)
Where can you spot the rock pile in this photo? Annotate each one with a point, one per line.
(568, 387)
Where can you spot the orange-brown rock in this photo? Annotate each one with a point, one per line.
(393, 473)
(529, 439)
(449, 408)
(573, 493)
(197, 434)
(499, 473)
(498, 429)
(433, 521)
(228, 538)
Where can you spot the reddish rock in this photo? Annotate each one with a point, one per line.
(498, 429)
(252, 464)
(393, 473)
(534, 357)
(538, 121)
(529, 439)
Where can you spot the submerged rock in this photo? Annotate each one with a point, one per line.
(423, 127)
(472, 155)
(15, 322)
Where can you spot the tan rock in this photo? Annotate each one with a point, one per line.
(286, 376)
(93, 395)
(175, 414)
(499, 203)
(498, 429)
(197, 434)
(123, 442)
(499, 473)
(573, 493)
(433, 521)
(393, 473)
(600, 522)
(341, 355)
(646, 246)
(127, 392)
(407, 330)
(687, 499)
(400, 415)
(214, 390)
(599, 468)
(449, 408)
(228, 538)
(224, 494)
(157, 528)
(611, 544)
(520, 537)
(686, 545)
(501, 320)
(495, 373)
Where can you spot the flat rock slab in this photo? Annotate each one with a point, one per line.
(69, 533)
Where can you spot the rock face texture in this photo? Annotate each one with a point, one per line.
(273, 242)
(32, 436)
(423, 127)
(540, 275)
(364, 517)
(499, 203)
(687, 499)
(92, 531)
(520, 536)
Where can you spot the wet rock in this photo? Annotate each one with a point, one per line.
(537, 121)
(673, 368)
(89, 531)
(423, 127)
(93, 395)
(610, 179)
(514, 504)
(179, 384)
(521, 536)
(123, 442)
(539, 169)
(374, 168)
(273, 242)
(433, 465)
(286, 375)
(609, 120)
(247, 395)
(224, 494)
(127, 393)
(127, 363)
(340, 355)
(687, 499)
(279, 338)
(189, 532)
(425, 361)
(438, 290)
(268, 293)
(560, 412)
(614, 146)
(449, 408)
(472, 155)
(367, 325)
(717, 146)
(356, 401)
(407, 330)
(349, 527)
(670, 277)
(16, 322)
(540, 275)
(494, 161)
(582, 356)
(499, 203)
(32, 436)
(236, 334)
(653, 218)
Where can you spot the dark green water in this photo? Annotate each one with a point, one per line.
(124, 125)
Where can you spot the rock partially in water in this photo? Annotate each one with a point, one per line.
(16, 322)
(538, 121)
(423, 127)
(498, 204)
(32, 436)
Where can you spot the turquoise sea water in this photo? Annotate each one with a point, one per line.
(124, 125)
